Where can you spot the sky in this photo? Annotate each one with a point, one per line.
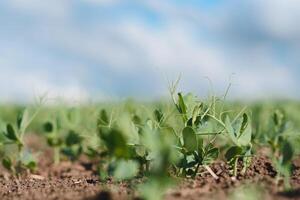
(115, 49)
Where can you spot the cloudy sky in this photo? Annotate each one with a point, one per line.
(93, 49)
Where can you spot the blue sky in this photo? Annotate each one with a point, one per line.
(104, 49)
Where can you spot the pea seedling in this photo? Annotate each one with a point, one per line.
(239, 131)
(281, 149)
(62, 137)
(19, 158)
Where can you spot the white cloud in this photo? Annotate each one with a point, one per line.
(279, 18)
(267, 82)
(177, 46)
(133, 45)
(23, 85)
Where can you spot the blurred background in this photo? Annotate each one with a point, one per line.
(113, 49)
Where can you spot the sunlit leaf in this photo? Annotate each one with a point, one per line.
(189, 139)
(245, 138)
(230, 130)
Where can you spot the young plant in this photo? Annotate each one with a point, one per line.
(114, 145)
(158, 139)
(62, 137)
(17, 157)
(240, 132)
(53, 138)
(196, 154)
(201, 127)
(135, 146)
(281, 148)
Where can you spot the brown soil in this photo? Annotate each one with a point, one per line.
(260, 177)
(78, 181)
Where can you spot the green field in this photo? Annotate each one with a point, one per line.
(159, 143)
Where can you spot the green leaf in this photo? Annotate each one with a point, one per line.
(200, 144)
(48, 127)
(245, 137)
(103, 118)
(181, 105)
(73, 138)
(210, 155)
(73, 152)
(230, 130)
(24, 120)
(19, 120)
(242, 127)
(278, 117)
(233, 152)
(10, 133)
(196, 112)
(191, 104)
(31, 165)
(158, 115)
(28, 160)
(189, 139)
(287, 153)
(7, 163)
(103, 175)
(129, 129)
(244, 123)
(213, 153)
(137, 120)
(126, 170)
(116, 143)
(53, 141)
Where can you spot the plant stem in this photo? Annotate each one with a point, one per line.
(235, 167)
(196, 170)
(287, 185)
(211, 172)
(247, 160)
(216, 119)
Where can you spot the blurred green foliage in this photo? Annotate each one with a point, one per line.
(158, 140)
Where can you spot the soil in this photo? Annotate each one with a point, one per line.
(78, 181)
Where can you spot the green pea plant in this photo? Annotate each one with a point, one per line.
(114, 146)
(240, 132)
(158, 140)
(17, 157)
(196, 152)
(201, 126)
(135, 146)
(203, 123)
(282, 151)
(51, 128)
(62, 136)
